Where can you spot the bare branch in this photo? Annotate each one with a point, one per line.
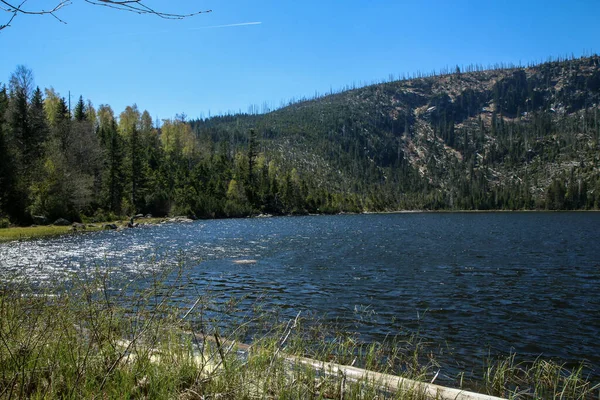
(134, 6)
(18, 9)
(9, 21)
(138, 7)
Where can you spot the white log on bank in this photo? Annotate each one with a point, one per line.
(385, 382)
(388, 383)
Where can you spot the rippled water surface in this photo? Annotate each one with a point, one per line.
(477, 283)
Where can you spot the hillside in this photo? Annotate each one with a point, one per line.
(517, 138)
(504, 138)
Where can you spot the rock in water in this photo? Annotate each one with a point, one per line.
(244, 261)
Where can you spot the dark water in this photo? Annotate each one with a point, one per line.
(473, 283)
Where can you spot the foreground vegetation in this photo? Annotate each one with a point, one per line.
(99, 336)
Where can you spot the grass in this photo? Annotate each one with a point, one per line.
(101, 336)
(46, 231)
(538, 379)
(32, 232)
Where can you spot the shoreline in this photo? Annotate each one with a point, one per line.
(470, 211)
(17, 233)
(32, 232)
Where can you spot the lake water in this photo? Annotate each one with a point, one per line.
(476, 283)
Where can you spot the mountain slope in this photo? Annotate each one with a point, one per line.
(493, 139)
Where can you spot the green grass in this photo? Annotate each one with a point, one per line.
(538, 379)
(98, 337)
(47, 231)
(32, 232)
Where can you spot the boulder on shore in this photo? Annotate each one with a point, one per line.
(77, 226)
(264, 216)
(180, 219)
(110, 226)
(62, 222)
(40, 220)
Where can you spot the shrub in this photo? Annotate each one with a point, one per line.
(4, 223)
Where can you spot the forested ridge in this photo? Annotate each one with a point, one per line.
(501, 138)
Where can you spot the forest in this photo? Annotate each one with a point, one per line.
(513, 138)
(90, 164)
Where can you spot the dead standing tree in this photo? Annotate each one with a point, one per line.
(14, 8)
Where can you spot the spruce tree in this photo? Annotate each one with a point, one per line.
(38, 125)
(80, 110)
(62, 124)
(135, 150)
(114, 177)
(5, 157)
(19, 136)
(252, 153)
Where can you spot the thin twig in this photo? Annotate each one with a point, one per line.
(134, 6)
(282, 342)
(190, 310)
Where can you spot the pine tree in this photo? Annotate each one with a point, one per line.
(129, 123)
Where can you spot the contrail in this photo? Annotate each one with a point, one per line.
(226, 26)
(125, 34)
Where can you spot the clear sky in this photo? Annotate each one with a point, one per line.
(299, 47)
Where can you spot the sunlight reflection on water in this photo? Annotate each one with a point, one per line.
(475, 282)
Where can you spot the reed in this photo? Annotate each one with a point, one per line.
(537, 379)
(100, 336)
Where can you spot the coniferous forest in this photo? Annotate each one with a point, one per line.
(504, 137)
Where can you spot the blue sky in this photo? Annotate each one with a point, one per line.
(299, 47)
